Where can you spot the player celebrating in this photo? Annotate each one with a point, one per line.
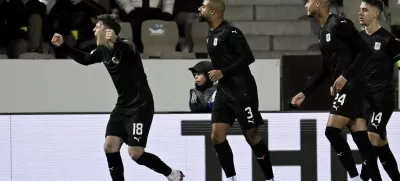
(344, 54)
(131, 119)
(379, 73)
(236, 96)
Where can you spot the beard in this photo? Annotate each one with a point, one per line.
(311, 14)
(202, 18)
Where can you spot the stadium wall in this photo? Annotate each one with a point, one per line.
(30, 86)
(69, 147)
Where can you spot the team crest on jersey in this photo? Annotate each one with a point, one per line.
(377, 46)
(328, 37)
(115, 60)
(215, 42)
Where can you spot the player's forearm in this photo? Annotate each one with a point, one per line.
(240, 65)
(237, 67)
(77, 55)
(319, 79)
(358, 64)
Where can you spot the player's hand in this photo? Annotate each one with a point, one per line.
(332, 91)
(339, 84)
(57, 40)
(298, 99)
(111, 36)
(215, 75)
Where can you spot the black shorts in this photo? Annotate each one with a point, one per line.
(379, 114)
(350, 104)
(243, 108)
(132, 126)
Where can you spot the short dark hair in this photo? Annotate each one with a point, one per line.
(111, 21)
(376, 3)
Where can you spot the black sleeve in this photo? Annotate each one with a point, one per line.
(196, 104)
(80, 56)
(394, 48)
(126, 46)
(318, 80)
(237, 40)
(346, 31)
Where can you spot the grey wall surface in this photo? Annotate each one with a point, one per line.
(29, 86)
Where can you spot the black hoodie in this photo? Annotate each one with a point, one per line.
(202, 97)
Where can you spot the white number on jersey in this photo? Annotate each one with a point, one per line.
(137, 129)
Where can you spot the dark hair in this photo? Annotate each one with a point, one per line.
(111, 21)
(376, 3)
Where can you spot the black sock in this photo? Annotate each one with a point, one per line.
(262, 153)
(153, 162)
(225, 157)
(388, 161)
(342, 149)
(364, 173)
(115, 166)
(368, 152)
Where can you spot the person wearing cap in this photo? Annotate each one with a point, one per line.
(203, 94)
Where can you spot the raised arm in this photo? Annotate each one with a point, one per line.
(79, 56)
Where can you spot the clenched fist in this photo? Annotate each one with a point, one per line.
(111, 36)
(57, 40)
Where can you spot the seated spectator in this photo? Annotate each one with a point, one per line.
(25, 20)
(138, 11)
(4, 33)
(185, 12)
(75, 20)
(203, 94)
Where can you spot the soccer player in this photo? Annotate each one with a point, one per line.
(379, 74)
(237, 96)
(344, 54)
(131, 119)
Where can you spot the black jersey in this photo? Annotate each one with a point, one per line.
(230, 53)
(125, 67)
(344, 52)
(379, 69)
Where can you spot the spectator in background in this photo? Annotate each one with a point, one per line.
(4, 33)
(139, 11)
(25, 20)
(185, 12)
(202, 96)
(75, 20)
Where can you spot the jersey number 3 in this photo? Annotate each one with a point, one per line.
(249, 114)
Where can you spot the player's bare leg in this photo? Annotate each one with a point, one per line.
(112, 147)
(358, 130)
(223, 149)
(333, 132)
(261, 151)
(154, 162)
